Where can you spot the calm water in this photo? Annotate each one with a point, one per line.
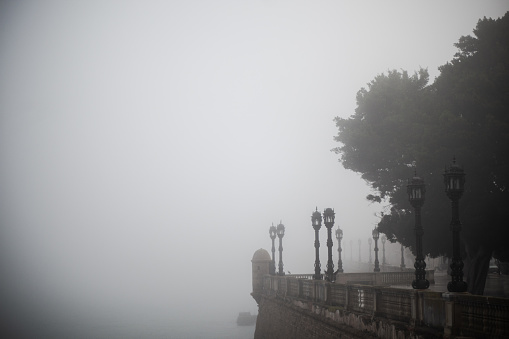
(146, 329)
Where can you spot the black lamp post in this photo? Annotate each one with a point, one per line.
(339, 236)
(402, 258)
(280, 230)
(376, 235)
(359, 250)
(316, 220)
(454, 179)
(328, 220)
(370, 242)
(384, 239)
(416, 190)
(272, 233)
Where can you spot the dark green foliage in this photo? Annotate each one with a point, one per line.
(402, 124)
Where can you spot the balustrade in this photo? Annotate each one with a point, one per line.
(321, 291)
(478, 316)
(293, 287)
(307, 289)
(456, 314)
(395, 303)
(338, 294)
(361, 298)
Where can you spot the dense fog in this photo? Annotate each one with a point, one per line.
(146, 147)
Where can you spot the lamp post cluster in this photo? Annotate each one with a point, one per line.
(278, 231)
(454, 180)
(316, 222)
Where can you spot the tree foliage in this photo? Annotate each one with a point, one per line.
(403, 124)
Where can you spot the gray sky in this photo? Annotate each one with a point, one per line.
(146, 147)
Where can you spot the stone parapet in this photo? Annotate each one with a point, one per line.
(381, 310)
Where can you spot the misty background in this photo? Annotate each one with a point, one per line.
(147, 147)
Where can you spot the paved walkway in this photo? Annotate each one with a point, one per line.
(496, 285)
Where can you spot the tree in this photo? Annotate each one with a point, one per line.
(402, 124)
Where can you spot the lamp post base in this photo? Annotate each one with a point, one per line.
(457, 286)
(420, 284)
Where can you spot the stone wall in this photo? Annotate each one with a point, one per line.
(303, 308)
(280, 319)
(365, 305)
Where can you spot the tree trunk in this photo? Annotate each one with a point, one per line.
(476, 268)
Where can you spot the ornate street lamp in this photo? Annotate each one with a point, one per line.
(339, 236)
(359, 250)
(384, 239)
(376, 235)
(280, 230)
(316, 221)
(402, 258)
(416, 190)
(454, 179)
(272, 233)
(370, 242)
(328, 220)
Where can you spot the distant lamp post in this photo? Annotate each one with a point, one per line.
(454, 179)
(339, 236)
(370, 242)
(316, 221)
(328, 220)
(280, 230)
(272, 233)
(351, 250)
(376, 235)
(384, 239)
(402, 258)
(359, 250)
(416, 190)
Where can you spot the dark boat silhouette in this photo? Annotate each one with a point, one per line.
(246, 319)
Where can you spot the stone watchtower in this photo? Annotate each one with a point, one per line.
(261, 266)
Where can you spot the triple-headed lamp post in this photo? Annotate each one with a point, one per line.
(376, 235)
(454, 179)
(416, 190)
(280, 230)
(316, 221)
(339, 236)
(328, 220)
(272, 233)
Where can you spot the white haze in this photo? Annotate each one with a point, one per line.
(147, 146)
